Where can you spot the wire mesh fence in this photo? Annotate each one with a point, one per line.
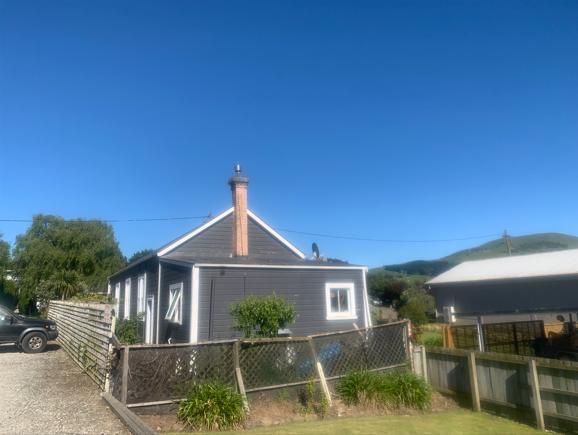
(161, 373)
(270, 363)
(366, 349)
(520, 338)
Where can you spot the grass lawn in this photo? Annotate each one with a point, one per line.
(443, 423)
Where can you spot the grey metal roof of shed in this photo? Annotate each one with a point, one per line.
(547, 264)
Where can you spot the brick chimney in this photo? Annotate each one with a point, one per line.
(238, 185)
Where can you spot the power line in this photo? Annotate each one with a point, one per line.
(368, 239)
(329, 236)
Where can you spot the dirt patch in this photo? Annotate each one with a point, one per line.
(278, 412)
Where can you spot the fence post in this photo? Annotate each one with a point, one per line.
(424, 363)
(481, 337)
(239, 375)
(535, 384)
(124, 392)
(320, 372)
(110, 351)
(474, 381)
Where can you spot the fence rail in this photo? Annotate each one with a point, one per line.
(155, 374)
(531, 388)
(84, 332)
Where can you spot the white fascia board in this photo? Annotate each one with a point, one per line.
(194, 332)
(276, 234)
(273, 266)
(368, 322)
(193, 233)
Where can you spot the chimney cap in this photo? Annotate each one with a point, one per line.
(238, 178)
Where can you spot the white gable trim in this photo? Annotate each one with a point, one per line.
(276, 234)
(193, 233)
(220, 217)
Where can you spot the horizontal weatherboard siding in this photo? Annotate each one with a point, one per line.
(219, 287)
(217, 240)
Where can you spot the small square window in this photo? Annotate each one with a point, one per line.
(175, 311)
(340, 299)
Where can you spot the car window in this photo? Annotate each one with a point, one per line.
(5, 314)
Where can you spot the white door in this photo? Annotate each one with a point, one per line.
(149, 319)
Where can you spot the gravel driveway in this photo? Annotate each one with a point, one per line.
(47, 393)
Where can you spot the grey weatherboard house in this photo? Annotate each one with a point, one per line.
(185, 289)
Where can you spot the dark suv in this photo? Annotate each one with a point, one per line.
(31, 335)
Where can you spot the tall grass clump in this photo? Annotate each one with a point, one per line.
(357, 387)
(212, 406)
(387, 389)
(405, 389)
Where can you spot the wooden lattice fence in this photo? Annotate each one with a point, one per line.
(84, 332)
(145, 375)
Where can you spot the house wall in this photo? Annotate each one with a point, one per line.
(149, 267)
(217, 241)
(173, 274)
(305, 288)
(538, 294)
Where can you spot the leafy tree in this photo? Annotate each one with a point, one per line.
(386, 286)
(140, 254)
(56, 257)
(417, 305)
(262, 316)
(7, 288)
(61, 284)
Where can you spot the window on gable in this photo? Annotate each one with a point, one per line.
(175, 311)
(340, 300)
(127, 291)
(140, 303)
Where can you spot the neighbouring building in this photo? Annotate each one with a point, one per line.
(185, 289)
(524, 287)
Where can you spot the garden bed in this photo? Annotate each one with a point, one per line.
(274, 412)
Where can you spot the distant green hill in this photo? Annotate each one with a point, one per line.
(529, 244)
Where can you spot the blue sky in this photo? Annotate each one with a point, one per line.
(390, 120)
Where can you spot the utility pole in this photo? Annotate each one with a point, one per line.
(508, 241)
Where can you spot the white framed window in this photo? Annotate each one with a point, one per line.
(141, 293)
(175, 311)
(127, 292)
(117, 298)
(340, 300)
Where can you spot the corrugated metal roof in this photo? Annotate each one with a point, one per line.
(557, 263)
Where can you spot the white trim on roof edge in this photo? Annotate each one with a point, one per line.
(276, 234)
(220, 217)
(193, 233)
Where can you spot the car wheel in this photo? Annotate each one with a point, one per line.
(34, 342)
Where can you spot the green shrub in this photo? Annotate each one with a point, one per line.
(357, 387)
(405, 389)
(431, 339)
(262, 316)
(212, 406)
(389, 389)
(127, 330)
(313, 400)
